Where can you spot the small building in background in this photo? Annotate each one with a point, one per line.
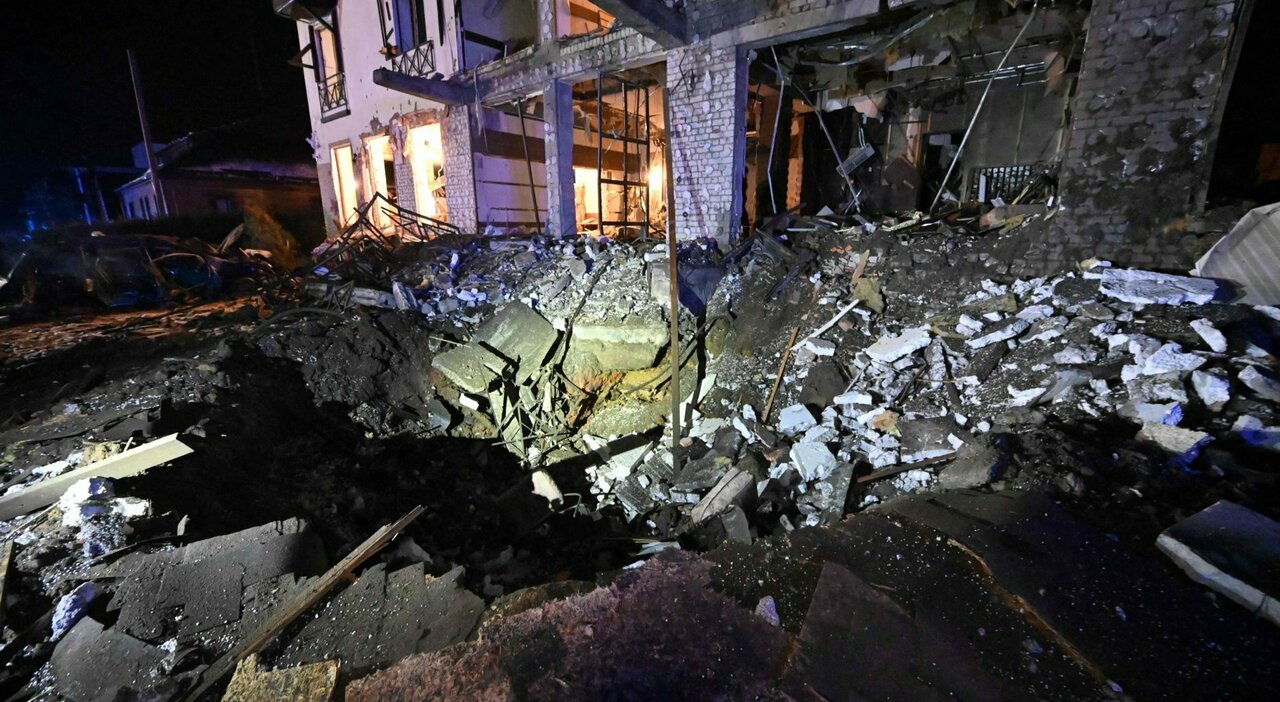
(224, 170)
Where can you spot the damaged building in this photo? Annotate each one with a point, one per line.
(554, 114)
(685, 350)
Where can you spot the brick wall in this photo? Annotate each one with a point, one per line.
(406, 196)
(708, 94)
(1143, 123)
(459, 168)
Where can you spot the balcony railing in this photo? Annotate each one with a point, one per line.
(333, 93)
(419, 61)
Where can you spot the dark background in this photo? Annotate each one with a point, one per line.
(66, 98)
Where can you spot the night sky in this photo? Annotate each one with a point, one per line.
(65, 94)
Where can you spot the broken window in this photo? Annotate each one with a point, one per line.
(344, 182)
(330, 84)
(380, 173)
(424, 148)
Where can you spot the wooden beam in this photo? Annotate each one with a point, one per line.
(303, 601)
(121, 465)
(652, 18)
(445, 92)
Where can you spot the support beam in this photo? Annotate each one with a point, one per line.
(557, 105)
(446, 92)
(652, 18)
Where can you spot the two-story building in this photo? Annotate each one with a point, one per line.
(562, 114)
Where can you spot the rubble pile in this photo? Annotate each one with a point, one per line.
(220, 520)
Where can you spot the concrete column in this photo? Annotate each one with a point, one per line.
(553, 20)
(557, 101)
(460, 168)
(707, 90)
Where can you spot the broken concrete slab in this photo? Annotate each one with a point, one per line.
(1150, 288)
(305, 683)
(977, 463)
(888, 349)
(1169, 358)
(95, 664)
(470, 367)
(735, 488)
(1232, 550)
(519, 334)
(197, 588)
(624, 346)
(385, 616)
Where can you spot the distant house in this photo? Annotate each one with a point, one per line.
(225, 170)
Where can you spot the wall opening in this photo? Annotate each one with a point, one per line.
(342, 162)
(424, 149)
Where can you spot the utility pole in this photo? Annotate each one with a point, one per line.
(162, 205)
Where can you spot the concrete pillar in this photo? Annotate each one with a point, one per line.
(553, 20)
(707, 90)
(460, 168)
(557, 105)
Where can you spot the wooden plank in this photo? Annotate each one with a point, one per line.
(6, 557)
(123, 465)
(305, 600)
(904, 467)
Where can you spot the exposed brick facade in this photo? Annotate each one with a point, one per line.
(707, 88)
(459, 168)
(1142, 130)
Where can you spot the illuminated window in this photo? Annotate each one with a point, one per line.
(344, 182)
(425, 151)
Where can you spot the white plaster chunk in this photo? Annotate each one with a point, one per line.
(813, 460)
(1210, 334)
(821, 347)
(853, 397)
(1002, 333)
(1213, 390)
(1170, 358)
(1184, 443)
(1152, 413)
(1150, 288)
(1022, 398)
(795, 420)
(1264, 386)
(888, 349)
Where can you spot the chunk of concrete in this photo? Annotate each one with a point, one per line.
(812, 460)
(1150, 288)
(1183, 444)
(305, 683)
(888, 349)
(977, 463)
(1264, 385)
(624, 346)
(520, 335)
(1210, 335)
(1169, 358)
(1213, 389)
(1001, 331)
(796, 419)
(735, 488)
(1232, 550)
(470, 367)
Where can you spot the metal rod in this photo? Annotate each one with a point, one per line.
(524, 140)
(599, 154)
(673, 276)
(162, 206)
(773, 137)
(942, 187)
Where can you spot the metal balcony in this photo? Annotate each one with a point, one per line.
(419, 61)
(333, 95)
